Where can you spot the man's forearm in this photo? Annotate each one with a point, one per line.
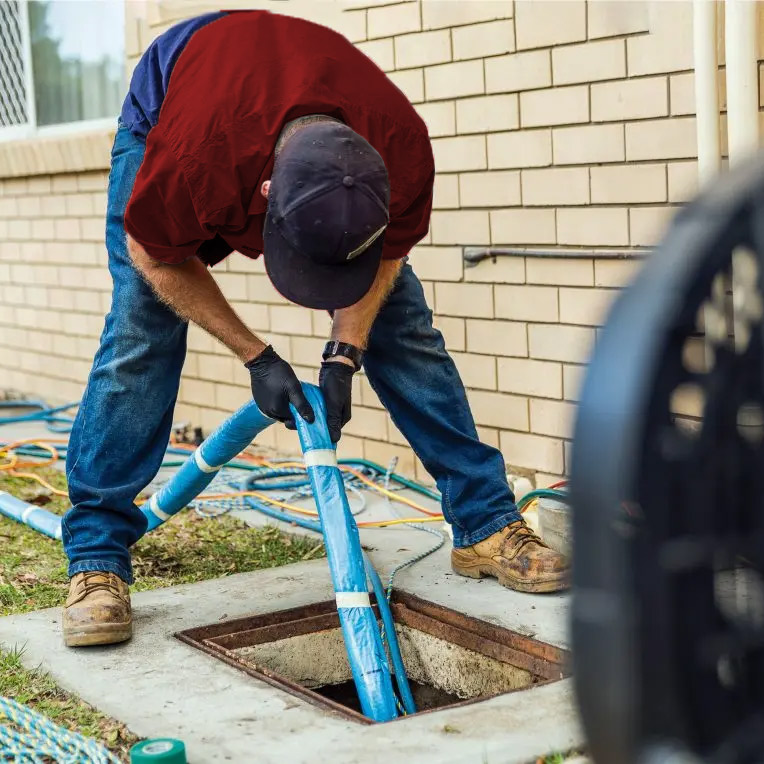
(353, 324)
(190, 291)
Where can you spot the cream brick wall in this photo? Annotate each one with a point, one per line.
(54, 286)
(555, 126)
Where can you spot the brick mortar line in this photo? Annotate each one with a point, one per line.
(5, 193)
(586, 23)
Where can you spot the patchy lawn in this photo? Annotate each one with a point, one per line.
(186, 549)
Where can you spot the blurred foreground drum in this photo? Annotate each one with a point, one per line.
(667, 488)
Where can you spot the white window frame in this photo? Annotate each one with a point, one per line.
(31, 129)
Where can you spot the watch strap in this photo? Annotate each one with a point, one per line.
(344, 349)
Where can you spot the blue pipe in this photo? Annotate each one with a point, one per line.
(37, 518)
(363, 641)
(227, 442)
(379, 592)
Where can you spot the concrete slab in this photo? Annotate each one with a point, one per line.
(24, 430)
(160, 686)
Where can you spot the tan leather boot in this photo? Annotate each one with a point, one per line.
(97, 611)
(517, 557)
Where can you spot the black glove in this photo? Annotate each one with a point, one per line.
(275, 386)
(336, 382)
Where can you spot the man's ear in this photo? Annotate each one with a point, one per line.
(265, 188)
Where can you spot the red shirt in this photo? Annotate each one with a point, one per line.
(238, 81)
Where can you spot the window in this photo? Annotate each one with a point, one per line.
(61, 63)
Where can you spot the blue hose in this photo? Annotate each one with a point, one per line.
(392, 638)
(44, 413)
(283, 516)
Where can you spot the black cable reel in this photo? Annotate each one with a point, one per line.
(667, 488)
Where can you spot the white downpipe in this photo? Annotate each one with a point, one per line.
(742, 129)
(706, 63)
(742, 79)
(706, 88)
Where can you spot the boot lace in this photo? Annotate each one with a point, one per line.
(96, 580)
(521, 535)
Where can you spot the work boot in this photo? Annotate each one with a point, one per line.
(97, 610)
(517, 557)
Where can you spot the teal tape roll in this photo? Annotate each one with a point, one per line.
(162, 750)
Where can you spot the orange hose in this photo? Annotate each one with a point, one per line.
(391, 494)
(16, 462)
(40, 480)
(311, 512)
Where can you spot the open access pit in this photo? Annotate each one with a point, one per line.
(451, 659)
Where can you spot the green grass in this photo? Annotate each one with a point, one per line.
(186, 549)
(559, 758)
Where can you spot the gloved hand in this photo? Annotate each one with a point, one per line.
(336, 382)
(275, 386)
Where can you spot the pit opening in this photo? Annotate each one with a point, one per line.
(451, 659)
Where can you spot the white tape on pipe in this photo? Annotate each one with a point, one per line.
(58, 532)
(352, 599)
(320, 457)
(25, 514)
(201, 464)
(154, 507)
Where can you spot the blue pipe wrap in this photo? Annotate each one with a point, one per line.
(35, 517)
(360, 629)
(227, 442)
(379, 590)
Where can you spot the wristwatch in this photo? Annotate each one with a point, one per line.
(346, 350)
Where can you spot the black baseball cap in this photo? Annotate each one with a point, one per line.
(327, 214)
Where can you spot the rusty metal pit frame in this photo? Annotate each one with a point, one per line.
(545, 662)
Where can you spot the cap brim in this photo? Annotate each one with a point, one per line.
(315, 285)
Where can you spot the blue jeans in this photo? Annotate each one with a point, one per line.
(123, 423)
